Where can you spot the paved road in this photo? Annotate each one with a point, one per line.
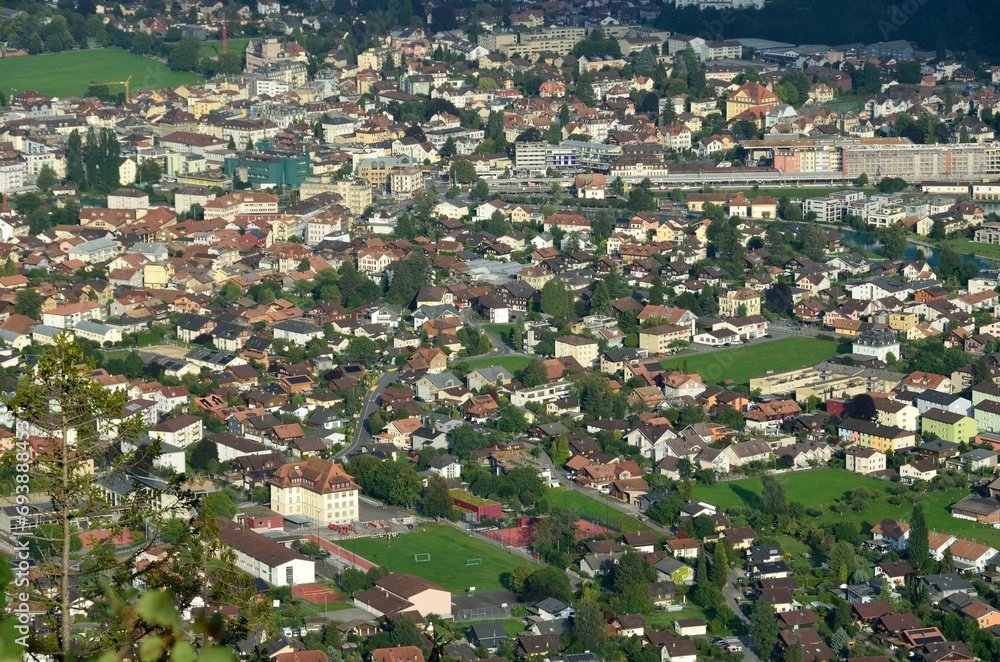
(371, 403)
(731, 592)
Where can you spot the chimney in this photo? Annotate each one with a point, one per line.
(6, 207)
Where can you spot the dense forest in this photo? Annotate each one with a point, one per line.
(958, 25)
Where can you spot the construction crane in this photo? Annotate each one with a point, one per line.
(127, 83)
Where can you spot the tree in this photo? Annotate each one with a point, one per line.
(150, 171)
(861, 180)
(772, 497)
(893, 240)
(589, 633)
(518, 576)
(557, 300)
(28, 302)
(436, 500)
(585, 89)
(548, 582)
(512, 420)
(448, 149)
(863, 407)
(764, 628)
(840, 641)
(639, 200)
(719, 572)
(600, 303)
(74, 160)
(46, 178)
(463, 172)
(204, 451)
(794, 652)
(919, 541)
(185, 55)
(949, 263)
(632, 569)
(362, 349)
(908, 72)
(656, 291)
(63, 404)
(534, 374)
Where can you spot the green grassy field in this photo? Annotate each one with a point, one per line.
(821, 488)
(213, 47)
(514, 364)
(594, 511)
(742, 363)
(449, 550)
(966, 246)
(513, 627)
(501, 331)
(69, 74)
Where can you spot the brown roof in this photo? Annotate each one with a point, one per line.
(406, 586)
(254, 545)
(315, 474)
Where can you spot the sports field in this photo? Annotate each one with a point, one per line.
(449, 549)
(822, 487)
(746, 361)
(69, 74)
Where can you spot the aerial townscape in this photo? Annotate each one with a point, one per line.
(555, 331)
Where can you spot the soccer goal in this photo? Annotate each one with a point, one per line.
(420, 558)
(469, 562)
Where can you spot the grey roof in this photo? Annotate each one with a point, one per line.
(93, 327)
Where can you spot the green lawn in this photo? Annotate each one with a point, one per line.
(744, 362)
(213, 47)
(966, 246)
(69, 74)
(512, 626)
(821, 488)
(664, 620)
(501, 331)
(450, 549)
(514, 364)
(593, 510)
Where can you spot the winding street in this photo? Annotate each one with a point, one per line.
(371, 403)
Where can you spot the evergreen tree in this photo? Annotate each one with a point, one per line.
(719, 572)
(93, 160)
(556, 299)
(772, 497)
(517, 337)
(703, 587)
(74, 161)
(764, 628)
(600, 302)
(588, 626)
(111, 155)
(533, 374)
(231, 145)
(919, 542)
(656, 291)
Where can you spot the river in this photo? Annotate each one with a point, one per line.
(932, 255)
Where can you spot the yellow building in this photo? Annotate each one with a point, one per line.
(584, 350)
(730, 303)
(317, 489)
